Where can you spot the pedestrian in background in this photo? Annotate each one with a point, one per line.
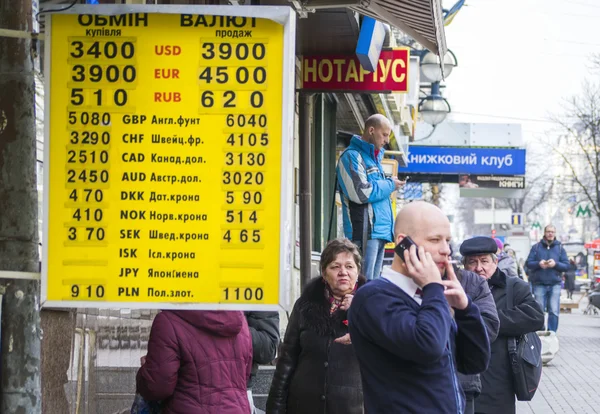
(412, 330)
(518, 262)
(264, 329)
(497, 389)
(198, 362)
(546, 262)
(365, 191)
(317, 370)
(506, 263)
(570, 278)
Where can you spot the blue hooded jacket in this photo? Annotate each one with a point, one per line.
(364, 186)
(544, 251)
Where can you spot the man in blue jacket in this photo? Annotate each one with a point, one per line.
(365, 193)
(413, 329)
(546, 262)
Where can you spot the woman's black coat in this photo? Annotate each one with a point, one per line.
(570, 277)
(497, 387)
(315, 375)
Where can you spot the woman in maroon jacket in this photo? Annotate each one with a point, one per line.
(198, 362)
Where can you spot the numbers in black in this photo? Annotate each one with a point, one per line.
(207, 99)
(119, 97)
(219, 73)
(244, 236)
(90, 233)
(90, 137)
(247, 197)
(259, 75)
(77, 51)
(241, 51)
(87, 176)
(259, 51)
(88, 214)
(86, 195)
(247, 294)
(257, 99)
(242, 120)
(76, 96)
(229, 99)
(84, 156)
(110, 73)
(94, 233)
(109, 50)
(248, 158)
(246, 178)
(243, 75)
(251, 140)
(209, 50)
(239, 216)
(252, 197)
(89, 118)
(91, 291)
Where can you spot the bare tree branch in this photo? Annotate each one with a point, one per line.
(578, 181)
(580, 149)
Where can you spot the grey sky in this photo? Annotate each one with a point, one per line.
(519, 58)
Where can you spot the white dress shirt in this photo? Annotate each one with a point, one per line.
(403, 282)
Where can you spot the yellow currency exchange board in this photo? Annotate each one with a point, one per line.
(164, 160)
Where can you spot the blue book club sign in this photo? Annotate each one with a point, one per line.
(455, 160)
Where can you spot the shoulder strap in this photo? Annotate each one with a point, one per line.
(511, 342)
(332, 207)
(335, 189)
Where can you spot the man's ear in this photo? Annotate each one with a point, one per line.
(399, 238)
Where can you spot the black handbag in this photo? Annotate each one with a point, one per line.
(525, 355)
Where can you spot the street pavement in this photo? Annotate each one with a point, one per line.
(571, 381)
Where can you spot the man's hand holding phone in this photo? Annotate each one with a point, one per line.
(424, 270)
(397, 183)
(455, 294)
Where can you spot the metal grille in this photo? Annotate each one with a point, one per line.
(105, 357)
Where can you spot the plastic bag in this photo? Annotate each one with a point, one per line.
(141, 406)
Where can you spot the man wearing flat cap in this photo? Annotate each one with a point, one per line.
(497, 391)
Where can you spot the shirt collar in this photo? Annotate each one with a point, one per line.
(403, 282)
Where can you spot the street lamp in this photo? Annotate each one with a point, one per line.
(434, 108)
(431, 69)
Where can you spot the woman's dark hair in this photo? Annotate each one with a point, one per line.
(335, 247)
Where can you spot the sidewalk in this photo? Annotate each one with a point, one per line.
(571, 381)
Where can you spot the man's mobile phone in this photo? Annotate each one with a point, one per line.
(405, 245)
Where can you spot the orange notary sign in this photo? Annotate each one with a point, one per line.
(343, 73)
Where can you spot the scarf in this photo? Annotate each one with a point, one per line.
(334, 303)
